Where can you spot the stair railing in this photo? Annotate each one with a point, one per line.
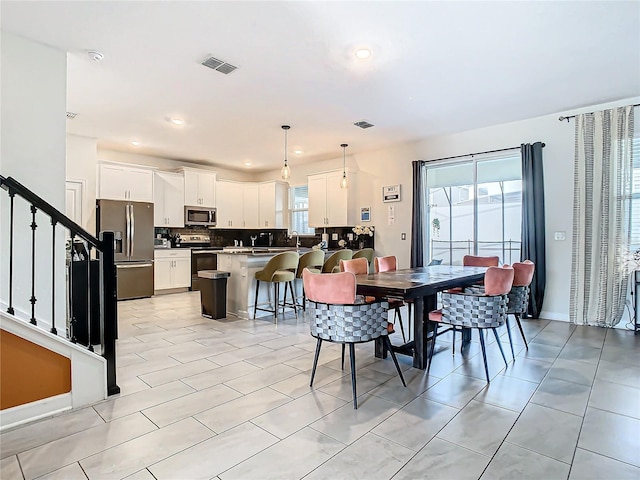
(104, 249)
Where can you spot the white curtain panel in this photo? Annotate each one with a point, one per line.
(601, 213)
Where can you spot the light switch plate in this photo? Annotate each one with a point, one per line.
(403, 236)
(334, 236)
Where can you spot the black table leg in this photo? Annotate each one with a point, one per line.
(380, 348)
(466, 337)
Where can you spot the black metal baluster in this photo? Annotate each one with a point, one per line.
(89, 309)
(53, 276)
(72, 318)
(33, 300)
(10, 310)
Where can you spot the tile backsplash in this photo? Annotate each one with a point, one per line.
(223, 237)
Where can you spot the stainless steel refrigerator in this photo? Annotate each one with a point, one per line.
(132, 224)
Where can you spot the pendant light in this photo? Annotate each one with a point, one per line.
(286, 171)
(344, 183)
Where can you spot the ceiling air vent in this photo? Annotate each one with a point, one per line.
(219, 65)
(71, 115)
(363, 124)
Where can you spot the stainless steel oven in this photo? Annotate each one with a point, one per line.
(201, 216)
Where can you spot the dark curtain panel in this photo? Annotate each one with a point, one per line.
(418, 216)
(533, 235)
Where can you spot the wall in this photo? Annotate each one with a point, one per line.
(374, 171)
(30, 372)
(81, 165)
(33, 124)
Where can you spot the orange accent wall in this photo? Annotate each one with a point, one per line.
(29, 372)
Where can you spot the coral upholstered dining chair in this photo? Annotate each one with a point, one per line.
(519, 294)
(482, 311)
(390, 264)
(336, 314)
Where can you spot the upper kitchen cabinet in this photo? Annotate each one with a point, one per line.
(330, 205)
(237, 204)
(273, 205)
(199, 188)
(121, 182)
(168, 199)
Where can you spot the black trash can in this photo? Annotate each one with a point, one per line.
(213, 293)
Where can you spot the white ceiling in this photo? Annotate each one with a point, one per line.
(437, 67)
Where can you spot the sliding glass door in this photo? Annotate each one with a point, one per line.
(474, 208)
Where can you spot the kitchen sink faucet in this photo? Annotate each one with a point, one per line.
(297, 235)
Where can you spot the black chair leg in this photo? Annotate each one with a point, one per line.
(510, 339)
(521, 330)
(352, 355)
(293, 300)
(404, 339)
(433, 343)
(255, 304)
(315, 361)
(343, 356)
(393, 356)
(484, 355)
(453, 345)
(277, 299)
(495, 333)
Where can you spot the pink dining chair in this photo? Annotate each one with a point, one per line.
(477, 310)
(390, 264)
(471, 261)
(336, 314)
(519, 294)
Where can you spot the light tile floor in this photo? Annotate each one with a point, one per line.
(230, 399)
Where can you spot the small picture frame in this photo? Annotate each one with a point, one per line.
(365, 214)
(391, 193)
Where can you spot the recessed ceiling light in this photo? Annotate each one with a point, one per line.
(135, 143)
(363, 53)
(176, 121)
(247, 164)
(298, 152)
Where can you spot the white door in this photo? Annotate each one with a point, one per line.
(337, 204)
(74, 191)
(250, 205)
(317, 200)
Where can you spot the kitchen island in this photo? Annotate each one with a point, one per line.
(242, 264)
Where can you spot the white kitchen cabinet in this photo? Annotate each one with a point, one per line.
(199, 188)
(237, 204)
(121, 182)
(172, 269)
(168, 199)
(273, 205)
(330, 205)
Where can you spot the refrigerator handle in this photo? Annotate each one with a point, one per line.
(133, 230)
(128, 246)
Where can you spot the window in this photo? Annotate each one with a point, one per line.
(299, 210)
(474, 208)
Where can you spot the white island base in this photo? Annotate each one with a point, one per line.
(241, 285)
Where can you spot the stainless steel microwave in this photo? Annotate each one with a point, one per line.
(200, 216)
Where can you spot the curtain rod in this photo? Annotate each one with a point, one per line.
(562, 118)
(477, 153)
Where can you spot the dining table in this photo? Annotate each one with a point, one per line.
(419, 286)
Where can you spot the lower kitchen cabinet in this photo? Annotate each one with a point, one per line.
(172, 269)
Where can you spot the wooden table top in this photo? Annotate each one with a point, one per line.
(418, 282)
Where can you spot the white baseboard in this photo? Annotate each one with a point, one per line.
(47, 407)
(562, 317)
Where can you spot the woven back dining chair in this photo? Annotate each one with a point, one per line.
(390, 264)
(481, 311)
(336, 314)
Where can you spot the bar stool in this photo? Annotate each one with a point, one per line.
(334, 260)
(365, 253)
(280, 269)
(312, 260)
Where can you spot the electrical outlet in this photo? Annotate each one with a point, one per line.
(403, 236)
(560, 236)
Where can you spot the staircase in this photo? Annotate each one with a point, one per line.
(48, 360)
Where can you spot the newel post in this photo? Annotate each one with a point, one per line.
(108, 309)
